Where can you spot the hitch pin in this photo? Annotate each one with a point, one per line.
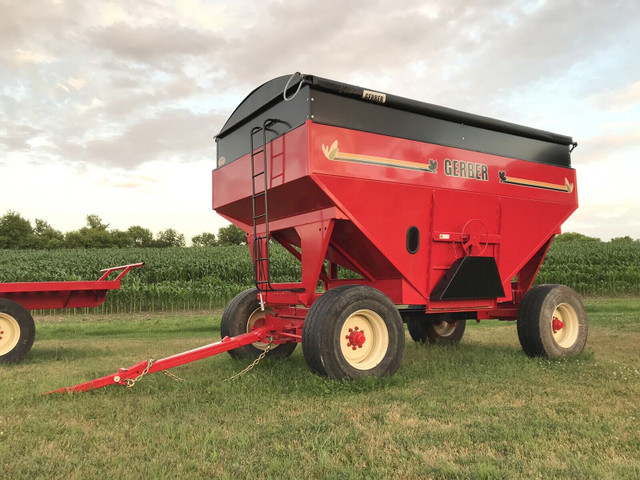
(261, 302)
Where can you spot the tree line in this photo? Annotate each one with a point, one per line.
(17, 232)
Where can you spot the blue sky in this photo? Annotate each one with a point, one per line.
(110, 108)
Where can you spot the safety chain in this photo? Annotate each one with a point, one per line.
(173, 375)
(253, 364)
(130, 382)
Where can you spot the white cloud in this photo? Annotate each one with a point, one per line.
(619, 100)
(29, 56)
(77, 83)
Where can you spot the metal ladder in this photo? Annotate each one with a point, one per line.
(261, 258)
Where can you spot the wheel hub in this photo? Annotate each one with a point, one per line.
(444, 328)
(356, 338)
(557, 324)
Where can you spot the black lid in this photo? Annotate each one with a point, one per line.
(273, 91)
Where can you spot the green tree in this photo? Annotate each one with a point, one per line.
(169, 238)
(204, 240)
(93, 235)
(139, 236)
(94, 222)
(46, 236)
(119, 239)
(231, 235)
(15, 231)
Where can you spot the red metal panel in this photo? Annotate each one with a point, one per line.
(44, 295)
(287, 162)
(386, 184)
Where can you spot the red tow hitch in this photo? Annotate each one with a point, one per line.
(129, 376)
(273, 330)
(557, 324)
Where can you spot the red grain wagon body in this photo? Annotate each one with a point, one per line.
(437, 216)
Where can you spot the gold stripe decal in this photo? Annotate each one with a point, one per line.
(567, 187)
(332, 153)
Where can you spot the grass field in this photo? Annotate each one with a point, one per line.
(480, 410)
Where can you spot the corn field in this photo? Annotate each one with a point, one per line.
(594, 268)
(204, 278)
(173, 279)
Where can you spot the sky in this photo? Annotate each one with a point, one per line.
(111, 107)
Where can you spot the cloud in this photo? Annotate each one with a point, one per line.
(18, 137)
(171, 134)
(617, 100)
(152, 43)
(606, 221)
(609, 147)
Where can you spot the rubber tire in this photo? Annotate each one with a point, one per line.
(422, 329)
(27, 330)
(321, 332)
(234, 322)
(535, 314)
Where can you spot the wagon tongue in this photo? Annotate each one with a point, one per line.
(129, 376)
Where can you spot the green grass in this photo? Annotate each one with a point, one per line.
(480, 410)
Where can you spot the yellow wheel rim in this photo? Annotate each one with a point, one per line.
(565, 325)
(9, 333)
(364, 339)
(444, 329)
(256, 319)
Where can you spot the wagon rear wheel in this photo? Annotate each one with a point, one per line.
(552, 322)
(17, 331)
(437, 328)
(242, 315)
(351, 332)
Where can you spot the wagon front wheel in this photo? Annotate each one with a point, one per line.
(351, 332)
(17, 331)
(552, 322)
(242, 315)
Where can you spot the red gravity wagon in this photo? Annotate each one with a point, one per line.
(399, 211)
(17, 328)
